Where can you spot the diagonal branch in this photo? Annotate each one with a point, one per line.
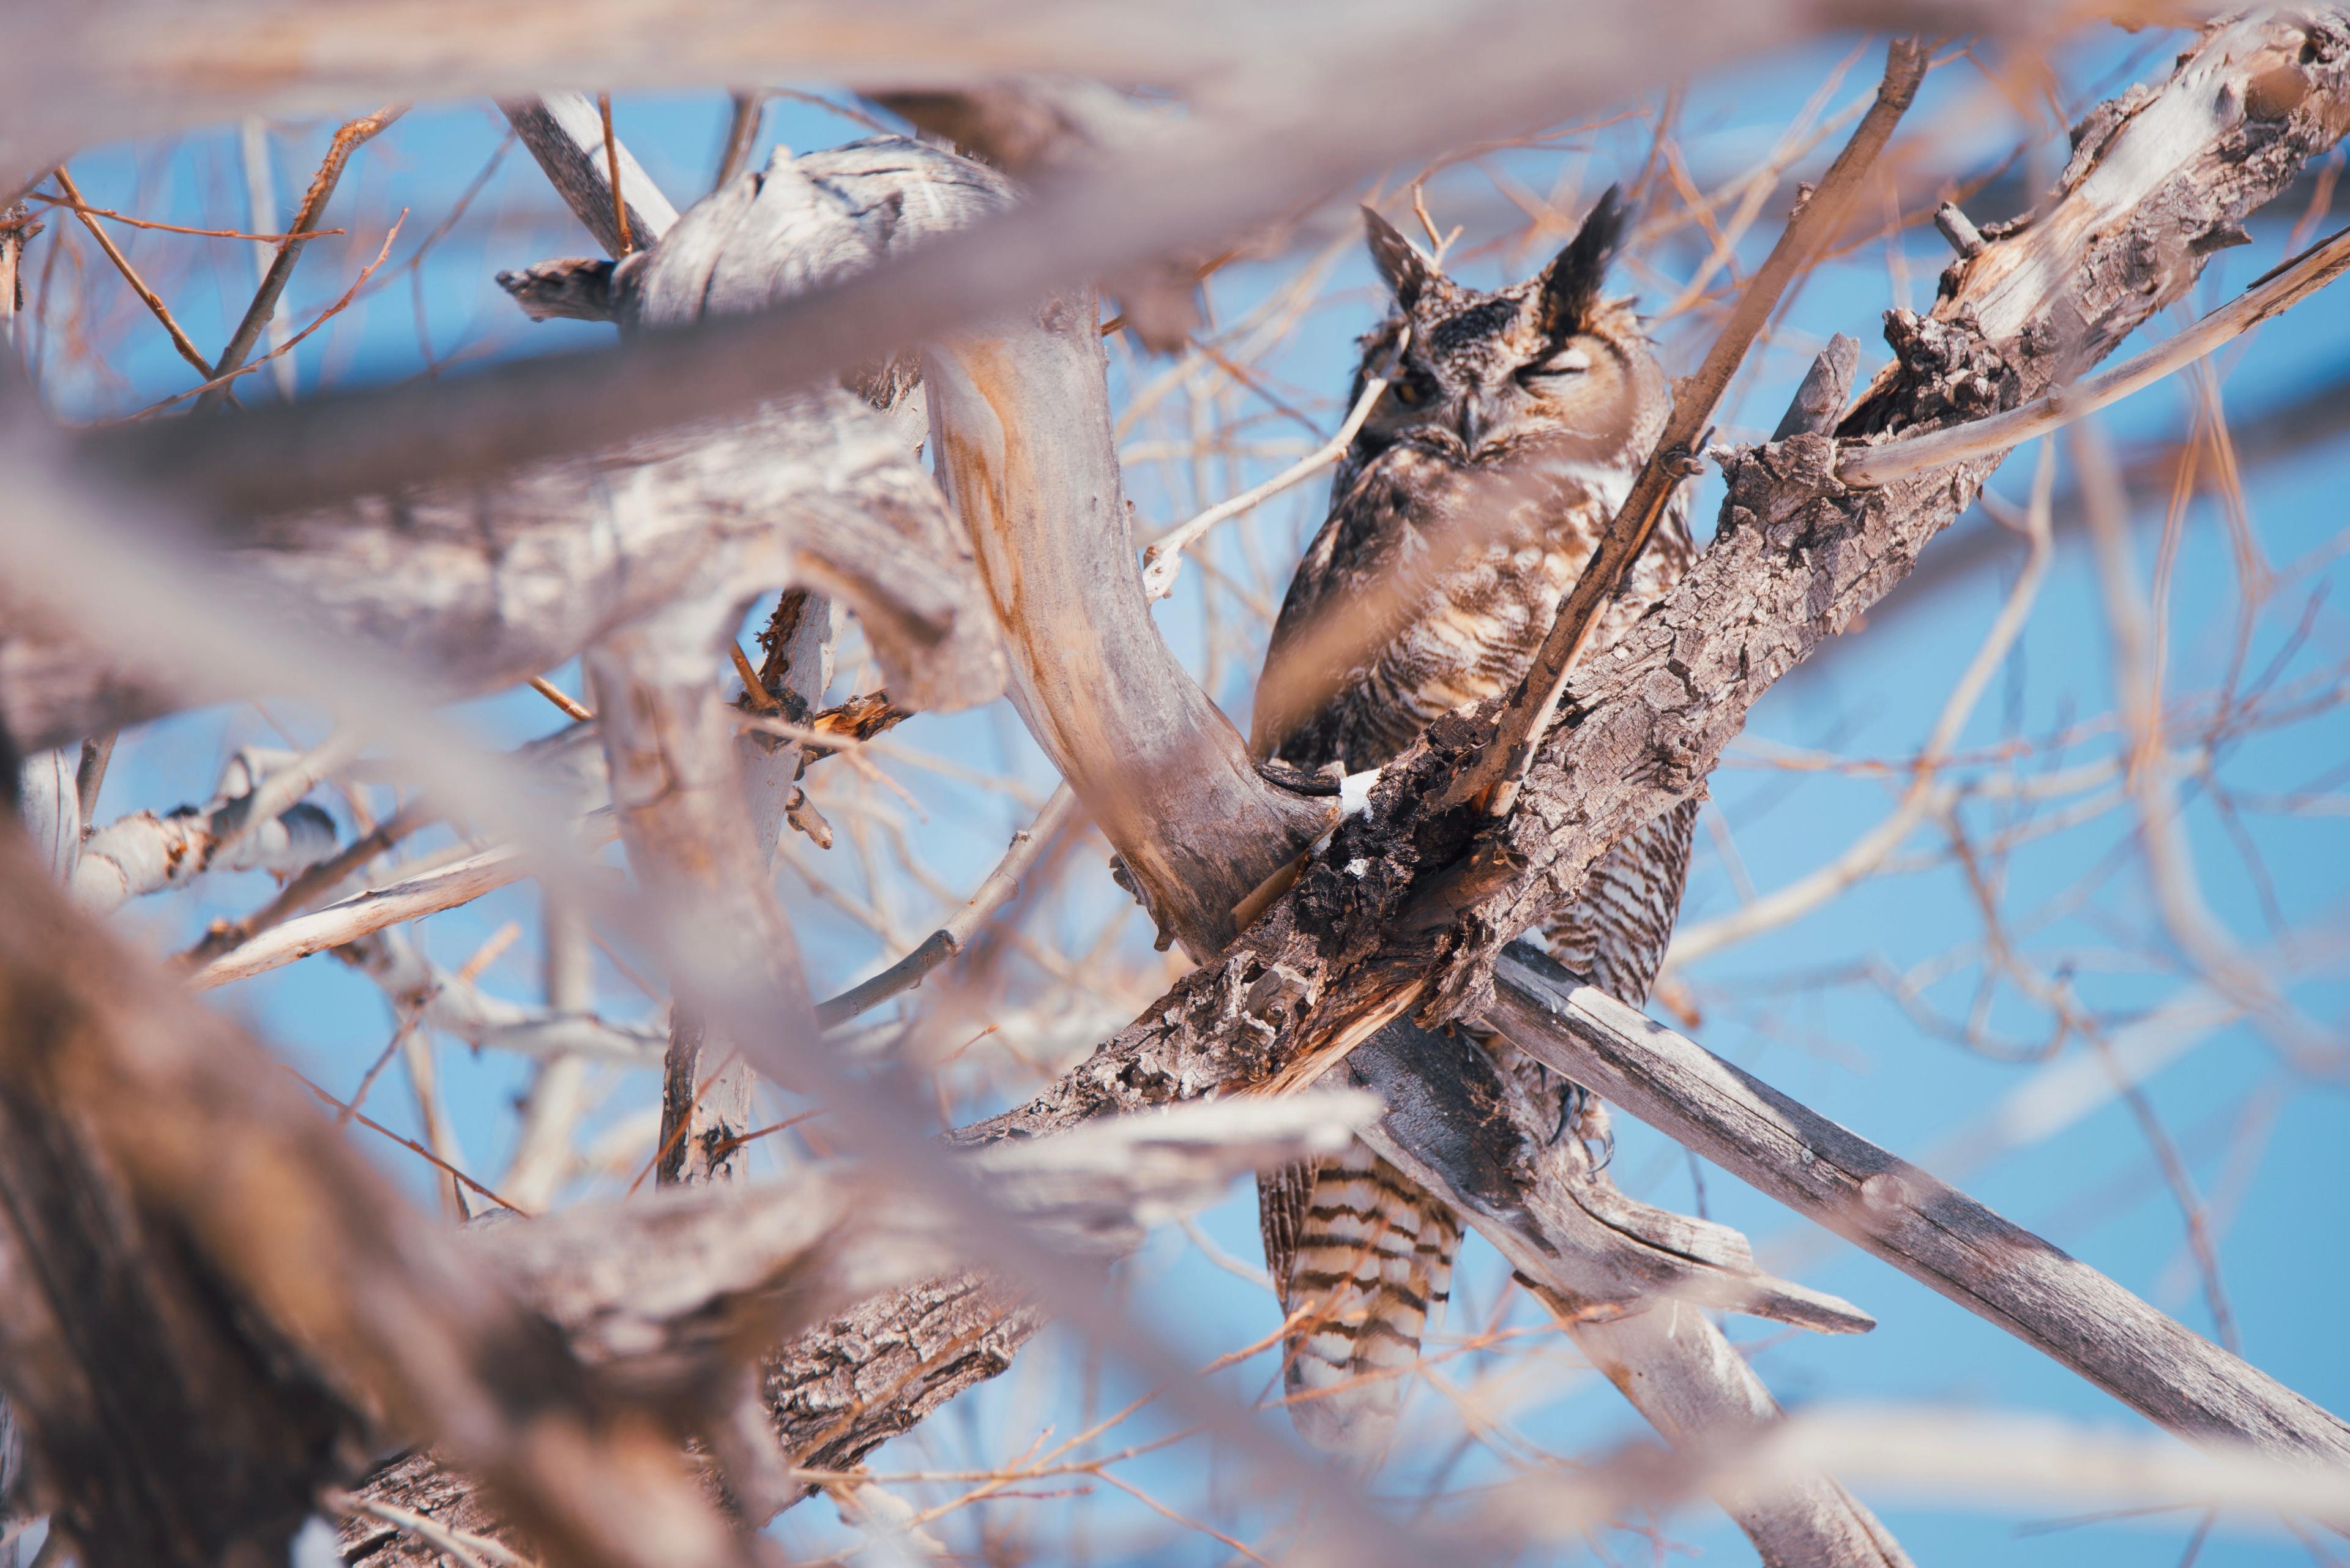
(1926, 1229)
(1815, 224)
(348, 139)
(147, 295)
(564, 132)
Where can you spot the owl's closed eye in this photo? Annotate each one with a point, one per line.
(1484, 375)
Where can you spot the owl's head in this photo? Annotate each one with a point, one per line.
(1484, 376)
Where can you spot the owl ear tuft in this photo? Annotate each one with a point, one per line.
(1571, 281)
(1399, 262)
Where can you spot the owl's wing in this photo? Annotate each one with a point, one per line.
(1281, 1199)
(1348, 598)
(1616, 932)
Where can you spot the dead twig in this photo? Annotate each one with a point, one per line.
(997, 891)
(308, 886)
(80, 210)
(560, 698)
(154, 301)
(225, 377)
(1163, 559)
(612, 177)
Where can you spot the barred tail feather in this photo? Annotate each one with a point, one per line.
(1370, 1261)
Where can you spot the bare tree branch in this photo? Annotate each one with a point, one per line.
(564, 132)
(1931, 1231)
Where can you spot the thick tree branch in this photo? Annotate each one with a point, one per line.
(1926, 1228)
(477, 589)
(2279, 291)
(665, 1294)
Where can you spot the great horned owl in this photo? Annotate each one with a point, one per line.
(1514, 425)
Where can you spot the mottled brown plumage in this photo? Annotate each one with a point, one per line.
(1511, 431)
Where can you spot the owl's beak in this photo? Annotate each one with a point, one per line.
(1473, 423)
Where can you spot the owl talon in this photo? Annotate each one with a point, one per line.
(1578, 1107)
(1573, 1099)
(1601, 1149)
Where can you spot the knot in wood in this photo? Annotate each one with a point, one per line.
(1278, 996)
(1678, 756)
(1885, 1192)
(2275, 93)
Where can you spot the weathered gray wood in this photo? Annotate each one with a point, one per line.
(1819, 402)
(144, 853)
(1923, 1227)
(483, 587)
(1026, 455)
(444, 999)
(564, 132)
(475, 589)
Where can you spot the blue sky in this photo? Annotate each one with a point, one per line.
(1795, 1006)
